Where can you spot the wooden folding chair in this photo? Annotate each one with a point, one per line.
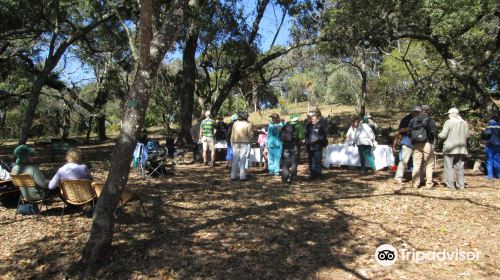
(26, 181)
(77, 192)
(127, 196)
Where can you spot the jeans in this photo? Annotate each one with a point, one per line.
(403, 163)
(274, 159)
(493, 161)
(240, 156)
(423, 159)
(315, 162)
(290, 162)
(454, 171)
(366, 157)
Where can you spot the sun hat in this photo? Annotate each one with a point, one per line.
(294, 118)
(22, 152)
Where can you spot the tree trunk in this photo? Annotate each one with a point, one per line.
(66, 123)
(32, 105)
(254, 97)
(364, 90)
(101, 127)
(188, 86)
(152, 52)
(99, 108)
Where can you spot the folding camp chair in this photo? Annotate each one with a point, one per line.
(77, 192)
(26, 181)
(127, 196)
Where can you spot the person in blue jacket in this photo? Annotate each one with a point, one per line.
(492, 137)
(274, 144)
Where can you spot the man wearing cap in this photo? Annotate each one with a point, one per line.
(274, 145)
(207, 128)
(24, 165)
(423, 147)
(455, 133)
(291, 150)
(406, 148)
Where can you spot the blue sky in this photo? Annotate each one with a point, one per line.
(76, 72)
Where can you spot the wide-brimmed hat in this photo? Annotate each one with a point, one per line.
(234, 117)
(294, 118)
(274, 115)
(453, 111)
(22, 152)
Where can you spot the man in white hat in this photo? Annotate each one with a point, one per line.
(455, 133)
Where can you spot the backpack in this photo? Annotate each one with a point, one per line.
(288, 133)
(419, 130)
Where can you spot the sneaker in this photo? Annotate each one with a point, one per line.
(489, 177)
(399, 180)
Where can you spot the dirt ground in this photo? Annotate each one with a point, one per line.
(203, 226)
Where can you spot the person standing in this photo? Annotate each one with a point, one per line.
(422, 131)
(207, 129)
(220, 129)
(241, 137)
(455, 133)
(491, 135)
(292, 133)
(274, 145)
(195, 133)
(229, 153)
(316, 138)
(364, 139)
(262, 145)
(405, 146)
(349, 139)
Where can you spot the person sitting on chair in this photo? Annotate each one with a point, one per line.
(4, 173)
(73, 169)
(25, 165)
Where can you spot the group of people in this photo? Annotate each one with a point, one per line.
(418, 137)
(280, 143)
(24, 164)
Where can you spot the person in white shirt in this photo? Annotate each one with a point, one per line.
(4, 174)
(364, 138)
(349, 141)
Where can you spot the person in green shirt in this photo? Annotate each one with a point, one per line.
(207, 129)
(25, 165)
(291, 147)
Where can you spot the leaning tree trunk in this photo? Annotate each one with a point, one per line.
(188, 86)
(152, 52)
(32, 105)
(133, 120)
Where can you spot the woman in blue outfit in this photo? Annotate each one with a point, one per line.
(492, 137)
(274, 145)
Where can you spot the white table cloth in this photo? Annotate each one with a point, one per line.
(254, 155)
(340, 154)
(221, 144)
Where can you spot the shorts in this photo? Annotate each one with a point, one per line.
(208, 142)
(229, 154)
